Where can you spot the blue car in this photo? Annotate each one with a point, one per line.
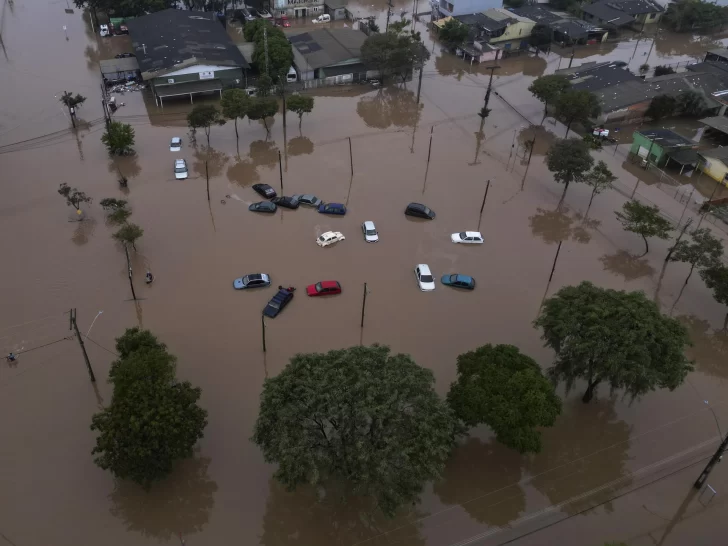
(332, 208)
(458, 281)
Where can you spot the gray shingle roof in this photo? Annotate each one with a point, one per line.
(597, 76)
(716, 153)
(328, 46)
(606, 13)
(667, 138)
(636, 7)
(172, 39)
(109, 66)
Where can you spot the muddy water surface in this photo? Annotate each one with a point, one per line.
(196, 248)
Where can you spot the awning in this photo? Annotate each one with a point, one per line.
(719, 123)
(187, 88)
(684, 157)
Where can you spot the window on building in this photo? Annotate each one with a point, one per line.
(651, 16)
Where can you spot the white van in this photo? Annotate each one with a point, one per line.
(291, 76)
(325, 18)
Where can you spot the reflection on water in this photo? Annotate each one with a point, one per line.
(84, 230)
(243, 172)
(127, 166)
(710, 346)
(390, 106)
(627, 265)
(180, 505)
(588, 447)
(216, 160)
(264, 153)
(311, 517)
(475, 477)
(300, 146)
(557, 225)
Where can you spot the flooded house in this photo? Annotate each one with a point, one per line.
(658, 146)
(329, 56)
(445, 8)
(565, 29)
(186, 53)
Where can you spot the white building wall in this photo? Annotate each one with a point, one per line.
(197, 68)
(466, 7)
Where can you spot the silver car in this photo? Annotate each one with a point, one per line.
(370, 232)
(180, 169)
(175, 145)
(308, 199)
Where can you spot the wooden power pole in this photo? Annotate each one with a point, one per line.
(83, 347)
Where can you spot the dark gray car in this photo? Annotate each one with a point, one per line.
(263, 206)
(308, 199)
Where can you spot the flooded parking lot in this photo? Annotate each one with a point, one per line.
(196, 248)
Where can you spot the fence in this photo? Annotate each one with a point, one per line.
(344, 79)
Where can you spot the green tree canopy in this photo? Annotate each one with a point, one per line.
(153, 420)
(262, 108)
(119, 138)
(235, 104)
(357, 415)
(128, 234)
(540, 35)
(691, 103)
(716, 278)
(663, 70)
(703, 252)
(73, 196)
(280, 51)
(205, 116)
(504, 389)
(662, 106)
(395, 54)
(600, 178)
(453, 33)
(300, 104)
(569, 160)
(616, 337)
(644, 220)
(687, 15)
(577, 105)
(548, 89)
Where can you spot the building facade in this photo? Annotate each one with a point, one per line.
(296, 9)
(463, 7)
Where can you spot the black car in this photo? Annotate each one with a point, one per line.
(420, 211)
(263, 206)
(124, 55)
(285, 202)
(278, 302)
(265, 190)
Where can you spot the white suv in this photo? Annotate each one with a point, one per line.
(424, 277)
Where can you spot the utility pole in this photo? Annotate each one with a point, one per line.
(571, 60)
(484, 112)
(262, 321)
(363, 305)
(555, 259)
(419, 84)
(83, 347)
(128, 265)
(389, 12)
(714, 460)
(280, 169)
(480, 217)
(207, 176)
(351, 158)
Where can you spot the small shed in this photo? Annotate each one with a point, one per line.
(714, 163)
(114, 70)
(654, 145)
(336, 8)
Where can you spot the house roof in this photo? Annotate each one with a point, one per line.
(472, 19)
(666, 138)
(109, 66)
(718, 68)
(172, 39)
(537, 14)
(719, 52)
(328, 46)
(336, 4)
(720, 153)
(596, 76)
(606, 13)
(720, 123)
(684, 156)
(502, 14)
(636, 7)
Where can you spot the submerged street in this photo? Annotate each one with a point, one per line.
(612, 470)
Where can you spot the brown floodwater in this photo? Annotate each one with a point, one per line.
(50, 490)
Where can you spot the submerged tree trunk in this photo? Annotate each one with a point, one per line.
(236, 129)
(589, 394)
(677, 240)
(563, 195)
(545, 111)
(568, 126)
(725, 322)
(647, 247)
(692, 266)
(594, 192)
(207, 134)
(300, 120)
(265, 124)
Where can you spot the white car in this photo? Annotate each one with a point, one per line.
(329, 238)
(175, 145)
(180, 169)
(370, 232)
(325, 18)
(264, 14)
(103, 30)
(467, 237)
(424, 278)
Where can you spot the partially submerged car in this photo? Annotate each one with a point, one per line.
(180, 169)
(468, 237)
(263, 206)
(332, 208)
(424, 278)
(458, 281)
(254, 280)
(420, 211)
(323, 288)
(278, 302)
(329, 238)
(265, 190)
(308, 199)
(370, 232)
(286, 202)
(175, 145)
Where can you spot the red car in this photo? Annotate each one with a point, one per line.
(323, 288)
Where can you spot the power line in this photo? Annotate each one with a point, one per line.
(99, 345)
